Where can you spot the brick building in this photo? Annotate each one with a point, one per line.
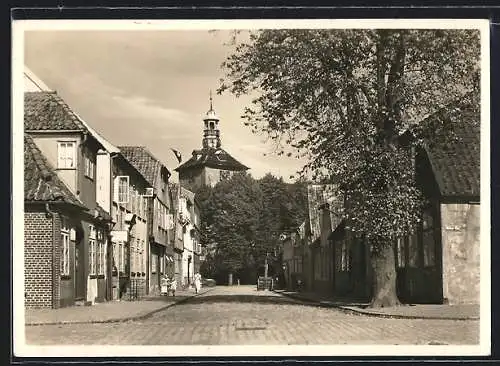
(70, 151)
(55, 222)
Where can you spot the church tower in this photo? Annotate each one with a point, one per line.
(210, 164)
(211, 133)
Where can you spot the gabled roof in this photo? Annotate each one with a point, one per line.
(455, 157)
(456, 163)
(108, 146)
(144, 161)
(45, 111)
(317, 196)
(212, 158)
(41, 183)
(32, 82)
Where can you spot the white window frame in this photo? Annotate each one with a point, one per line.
(65, 229)
(92, 251)
(66, 158)
(154, 263)
(121, 257)
(102, 253)
(139, 257)
(88, 166)
(123, 197)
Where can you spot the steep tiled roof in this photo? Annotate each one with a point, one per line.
(41, 183)
(47, 111)
(455, 159)
(317, 196)
(456, 163)
(144, 161)
(212, 158)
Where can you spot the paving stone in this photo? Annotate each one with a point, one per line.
(243, 316)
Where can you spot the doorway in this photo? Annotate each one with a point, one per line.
(79, 270)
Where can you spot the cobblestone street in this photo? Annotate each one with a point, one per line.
(241, 315)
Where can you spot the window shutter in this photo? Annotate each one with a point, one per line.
(116, 182)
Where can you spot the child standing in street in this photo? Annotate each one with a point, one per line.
(197, 282)
(173, 285)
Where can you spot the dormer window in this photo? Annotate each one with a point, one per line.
(66, 155)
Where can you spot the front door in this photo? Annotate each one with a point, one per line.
(79, 271)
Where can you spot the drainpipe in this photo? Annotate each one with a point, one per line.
(55, 284)
(78, 180)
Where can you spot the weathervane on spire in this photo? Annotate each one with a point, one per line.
(211, 107)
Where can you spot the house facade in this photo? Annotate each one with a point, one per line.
(160, 259)
(177, 234)
(189, 219)
(130, 235)
(70, 151)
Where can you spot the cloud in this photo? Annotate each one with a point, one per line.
(149, 88)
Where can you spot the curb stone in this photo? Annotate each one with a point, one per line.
(121, 320)
(360, 312)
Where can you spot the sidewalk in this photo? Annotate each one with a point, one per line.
(108, 312)
(417, 311)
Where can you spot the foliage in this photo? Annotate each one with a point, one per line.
(343, 98)
(242, 219)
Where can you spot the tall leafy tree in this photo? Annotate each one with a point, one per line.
(234, 213)
(342, 98)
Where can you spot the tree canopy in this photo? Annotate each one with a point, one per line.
(243, 217)
(343, 97)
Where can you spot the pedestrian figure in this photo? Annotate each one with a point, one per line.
(197, 282)
(173, 285)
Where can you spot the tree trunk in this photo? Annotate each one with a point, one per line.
(384, 277)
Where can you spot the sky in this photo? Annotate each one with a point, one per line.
(151, 88)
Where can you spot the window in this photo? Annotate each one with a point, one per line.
(89, 166)
(345, 260)
(143, 258)
(400, 250)
(224, 174)
(121, 258)
(122, 189)
(66, 155)
(162, 263)
(92, 251)
(139, 255)
(132, 254)
(133, 198)
(101, 253)
(428, 240)
(64, 247)
(413, 251)
(140, 206)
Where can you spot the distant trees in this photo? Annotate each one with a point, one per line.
(242, 219)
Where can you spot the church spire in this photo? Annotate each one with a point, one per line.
(211, 133)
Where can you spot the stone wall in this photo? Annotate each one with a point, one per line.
(460, 232)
